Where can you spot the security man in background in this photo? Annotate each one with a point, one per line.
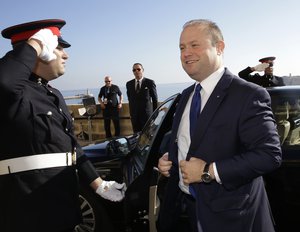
(39, 154)
(110, 105)
(142, 97)
(268, 79)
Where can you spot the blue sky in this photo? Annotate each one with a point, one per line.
(108, 36)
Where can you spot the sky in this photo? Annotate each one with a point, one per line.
(109, 36)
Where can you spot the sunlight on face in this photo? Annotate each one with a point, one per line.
(199, 57)
(57, 66)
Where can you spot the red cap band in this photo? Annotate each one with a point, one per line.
(27, 34)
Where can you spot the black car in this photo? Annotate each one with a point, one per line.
(133, 159)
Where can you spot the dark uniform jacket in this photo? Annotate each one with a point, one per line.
(142, 103)
(35, 120)
(264, 81)
(244, 147)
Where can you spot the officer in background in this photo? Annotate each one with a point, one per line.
(110, 105)
(39, 154)
(268, 79)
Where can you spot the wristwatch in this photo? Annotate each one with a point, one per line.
(206, 177)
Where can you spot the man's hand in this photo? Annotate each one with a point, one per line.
(261, 67)
(191, 170)
(111, 190)
(102, 105)
(48, 42)
(164, 165)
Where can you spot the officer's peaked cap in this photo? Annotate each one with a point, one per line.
(267, 59)
(24, 31)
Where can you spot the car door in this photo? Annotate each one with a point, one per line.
(139, 164)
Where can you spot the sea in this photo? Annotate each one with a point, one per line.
(163, 91)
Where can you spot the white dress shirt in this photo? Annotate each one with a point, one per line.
(183, 134)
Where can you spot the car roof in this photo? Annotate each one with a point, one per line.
(284, 89)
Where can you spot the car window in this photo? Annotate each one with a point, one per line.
(286, 109)
(150, 130)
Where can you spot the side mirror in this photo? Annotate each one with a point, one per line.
(118, 146)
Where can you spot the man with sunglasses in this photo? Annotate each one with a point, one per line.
(142, 97)
(110, 105)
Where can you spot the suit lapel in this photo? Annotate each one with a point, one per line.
(143, 82)
(177, 118)
(132, 87)
(208, 112)
(181, 106)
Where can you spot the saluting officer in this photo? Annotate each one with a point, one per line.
(266, 80)
(39, 154)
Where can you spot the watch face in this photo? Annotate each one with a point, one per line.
(206, 178)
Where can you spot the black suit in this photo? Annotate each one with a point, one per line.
(142, 103)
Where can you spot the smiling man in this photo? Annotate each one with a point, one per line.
(224, 138)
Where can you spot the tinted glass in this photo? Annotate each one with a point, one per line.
(149, 132)
(286, 109)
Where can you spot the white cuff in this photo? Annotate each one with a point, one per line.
(216, 173)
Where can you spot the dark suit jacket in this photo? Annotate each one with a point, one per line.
(236, 130)
(142, 104)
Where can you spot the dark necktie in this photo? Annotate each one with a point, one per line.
(138, 86)
(194, 114)
(195, 108)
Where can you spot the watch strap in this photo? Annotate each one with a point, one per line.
(206, 167)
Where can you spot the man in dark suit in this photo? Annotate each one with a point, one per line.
(215, 166)
(266, 80)
(39, 155)
(142, 97)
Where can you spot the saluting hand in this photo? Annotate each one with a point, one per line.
(49, 43)
(261, 67)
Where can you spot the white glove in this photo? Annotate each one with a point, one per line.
(111, 190)
(49, 42)
(261, 67)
